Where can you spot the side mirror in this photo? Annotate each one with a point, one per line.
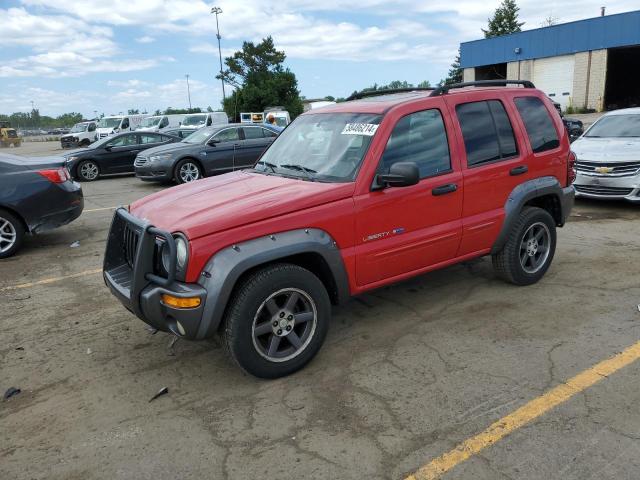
(213, 142)
(401, 174)
(108, 148)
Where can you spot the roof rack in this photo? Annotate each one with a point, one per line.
(387, 91)
(481, 83)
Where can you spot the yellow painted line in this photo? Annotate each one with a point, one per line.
(525, 414)
(99, 209)
(50, 280)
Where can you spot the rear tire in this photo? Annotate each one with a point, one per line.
(529, 250)
(277, 321)
(11, 234)
(187, 170)
(87, 171)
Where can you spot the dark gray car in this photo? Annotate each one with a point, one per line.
(36, 194)
(208, 151)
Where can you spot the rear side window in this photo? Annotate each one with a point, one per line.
(487, 132)
(542, 134)
(421, 138)
(268, 133)
(251, 133)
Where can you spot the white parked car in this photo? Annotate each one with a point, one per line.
(608, 157)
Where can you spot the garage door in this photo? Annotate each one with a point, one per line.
(554, 76)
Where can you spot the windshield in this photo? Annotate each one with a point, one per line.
(78, 128)
(194, 120)
(616, 126)
(199, 136)
(150, 122)
(326, 147)
(109, 122)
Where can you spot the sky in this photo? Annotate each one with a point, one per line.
(108, 56)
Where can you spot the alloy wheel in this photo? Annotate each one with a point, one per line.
(189, 172)
(535, 247)
(284, 325)
(8, 235)
(89, 171)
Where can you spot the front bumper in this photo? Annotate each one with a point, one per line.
(152, 172)
(604, 187)
(130, 269)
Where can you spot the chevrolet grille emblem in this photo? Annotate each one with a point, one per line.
(603, 169)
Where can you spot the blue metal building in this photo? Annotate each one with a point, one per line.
(592, 63)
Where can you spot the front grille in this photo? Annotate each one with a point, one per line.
(605, 191)
(130, 245)
(620, 169)
(103, 135)
(140, 161)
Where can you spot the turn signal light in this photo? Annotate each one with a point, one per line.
(571, 168)
(178, 302)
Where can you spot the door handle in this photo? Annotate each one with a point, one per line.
(444, 189)
(518, 170)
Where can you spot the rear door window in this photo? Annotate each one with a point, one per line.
(252, 133)
(149, 138)
(487, 132)
(420, 138)
(542, 134)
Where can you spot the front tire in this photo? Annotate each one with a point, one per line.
(529, 250)
(87, 171)
(187, 170)
(11, 234)
(277, 321)
(85, 143)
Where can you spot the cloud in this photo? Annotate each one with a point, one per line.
(145, 39)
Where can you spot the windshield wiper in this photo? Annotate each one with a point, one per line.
(267, 164)
(307, 171)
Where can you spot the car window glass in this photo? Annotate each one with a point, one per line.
(92, 127)
(420, 138)
(251, 133)
(148, 138)
(164, 122)
(479, 132)
(123, 141)
(539, 125)
(125, 123)
(506, 138)
(268, 133)
(227, 135)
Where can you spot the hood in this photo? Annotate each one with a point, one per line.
(169, 148)
(33, 163)
(607, 150)
(227, 201)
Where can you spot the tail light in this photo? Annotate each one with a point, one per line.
(571, 168)
(58, 175)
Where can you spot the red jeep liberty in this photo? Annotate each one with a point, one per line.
(347, 199)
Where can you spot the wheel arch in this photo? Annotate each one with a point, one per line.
(544, 192)
(312, 249)
(18, 215)
(187, 157)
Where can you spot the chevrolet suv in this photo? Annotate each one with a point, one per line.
(356, 196)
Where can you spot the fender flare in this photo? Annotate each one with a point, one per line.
(223, 270)
(527, 191)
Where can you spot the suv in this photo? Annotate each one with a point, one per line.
(347, 199)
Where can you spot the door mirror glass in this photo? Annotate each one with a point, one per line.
(401, 174)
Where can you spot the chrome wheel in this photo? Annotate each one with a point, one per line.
(535, 247)
(284, 325)
(89, 171)
(8, 235)
(189, 172)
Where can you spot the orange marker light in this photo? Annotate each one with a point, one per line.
(177, 302)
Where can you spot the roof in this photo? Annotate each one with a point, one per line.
(597, 33)
(624, 111)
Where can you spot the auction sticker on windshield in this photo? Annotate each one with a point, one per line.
(368, 129)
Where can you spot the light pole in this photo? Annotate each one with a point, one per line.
(217, 11)
(188, 90)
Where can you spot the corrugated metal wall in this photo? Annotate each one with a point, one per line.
(592, 34)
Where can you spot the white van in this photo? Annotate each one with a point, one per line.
(158, 123)
(81, 135)
(194, 121)
(117, 124)
(281, 117)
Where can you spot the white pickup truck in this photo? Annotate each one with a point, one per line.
(81, 135)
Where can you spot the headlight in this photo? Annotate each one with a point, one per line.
(72, 159)
(159, 158)
(182, 252)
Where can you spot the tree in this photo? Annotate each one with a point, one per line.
(133, 111)
(455, 72)
(549, 21)
(504, 20)
(424, 84)
(260, 80)
(179, 111)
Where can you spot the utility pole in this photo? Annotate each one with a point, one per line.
(188, 91)
(217, 11)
